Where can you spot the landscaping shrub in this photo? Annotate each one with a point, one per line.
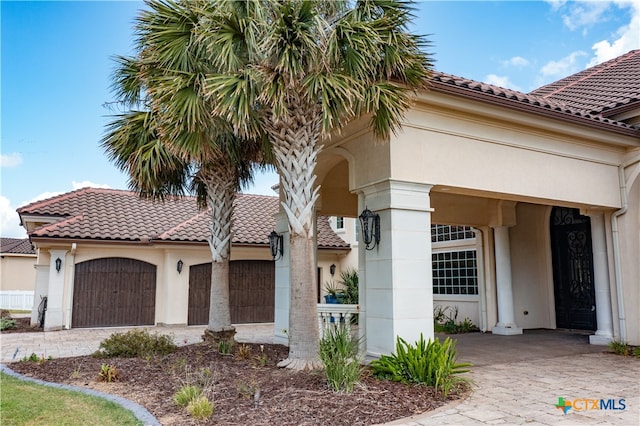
(186, 394)
(108, 373)
(7, 323)
(339, 354)
(135, 343)
(620, 347)
(200, 408)
(431, 363)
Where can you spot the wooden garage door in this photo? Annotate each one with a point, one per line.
(113, 292)
(251, 291)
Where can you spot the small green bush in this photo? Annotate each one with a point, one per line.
(108, 373)
(636, 352)
(135, 343)
(620, 347)
(186, 394)
(432, 363)
(200, 408)
(7, 323)
(225, 347)
(339, 355)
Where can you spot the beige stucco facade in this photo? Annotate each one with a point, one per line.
(464, 162)
(17, 272)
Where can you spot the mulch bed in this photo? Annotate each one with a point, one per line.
(247, 388)
(23, 325)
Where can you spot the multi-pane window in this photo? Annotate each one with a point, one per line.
(450, 233)
(339, 222)
(455, 272)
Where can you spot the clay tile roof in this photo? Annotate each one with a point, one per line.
(583, 96)
(606, 86)
(116, 215)
(16, 246)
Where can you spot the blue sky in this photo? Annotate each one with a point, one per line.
(56, 69)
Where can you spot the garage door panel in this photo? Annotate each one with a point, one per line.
(114, 292)
(251, 292)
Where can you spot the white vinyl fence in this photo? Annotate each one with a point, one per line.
(17, 300)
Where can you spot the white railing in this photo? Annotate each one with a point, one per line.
(16, 300)
(332, 314)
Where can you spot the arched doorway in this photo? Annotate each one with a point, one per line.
(572, 269)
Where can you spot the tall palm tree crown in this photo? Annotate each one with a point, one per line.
(298, 70)
(170, 142)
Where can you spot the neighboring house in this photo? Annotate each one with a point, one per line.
(109, 258)
(17, 273)
(548, 181)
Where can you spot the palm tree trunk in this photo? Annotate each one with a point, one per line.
(295, 144)
(221, 193)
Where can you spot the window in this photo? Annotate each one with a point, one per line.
(455, 272)
(339, 222)
(450, 233)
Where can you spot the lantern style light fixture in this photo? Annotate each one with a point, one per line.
(370, 226)
(58, 264)
(180, 265)
(276, 245)
(332, 269)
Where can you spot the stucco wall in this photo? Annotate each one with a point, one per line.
(629, 227)
(531, 269)
(17, 273)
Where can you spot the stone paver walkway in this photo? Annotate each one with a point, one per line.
(517, 379)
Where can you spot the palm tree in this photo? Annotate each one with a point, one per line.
(170, 143)
(299, 70)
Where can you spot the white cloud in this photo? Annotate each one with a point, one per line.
(10, 221)
(627, 37)
(11, 160)
(516, 61)
(583, 14)
(88, 184)
(564, 67)
(502, 81)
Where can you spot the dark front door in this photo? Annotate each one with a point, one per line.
(573, 269)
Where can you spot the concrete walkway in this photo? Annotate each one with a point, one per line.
(518, 379)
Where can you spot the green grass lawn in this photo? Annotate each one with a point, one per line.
(26, 403)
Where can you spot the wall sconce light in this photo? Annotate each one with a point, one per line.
(180, 265)
(276, 245)
(370, 225)
(58, 264)
(332, 269)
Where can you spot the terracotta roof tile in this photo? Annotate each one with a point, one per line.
(16, 246)
(115, 215)
(584, 96)
(606, 86)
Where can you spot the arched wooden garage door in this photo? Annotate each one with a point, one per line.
(113, 292)
(251, 291)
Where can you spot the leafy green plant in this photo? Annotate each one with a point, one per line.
(620, 347)
(135, 343)
(225, 347)
(349, 282)
(445, 320)
(262, 358)
(339, 355)
(7, 323)
(108, 373)
(186, 394)
(636, 352)
(433, 363)
(200, 408)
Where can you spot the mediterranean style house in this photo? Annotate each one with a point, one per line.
(109, 258)
(547, 182)
(536, 198)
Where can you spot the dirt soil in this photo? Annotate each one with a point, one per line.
(23, 325)
(247, 388)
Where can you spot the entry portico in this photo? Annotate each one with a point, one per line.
(501, 162)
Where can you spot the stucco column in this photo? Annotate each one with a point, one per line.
(41, 289)
(604, 316)
(506, 319)
(399, 286)
(282, 285)
(53, 319)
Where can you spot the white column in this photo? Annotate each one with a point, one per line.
(41, 289)
(604, 316)
(399, 287)
(506, 319)
(282, 286)
(53, 319)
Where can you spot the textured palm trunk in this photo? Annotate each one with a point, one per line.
(295, 140)
(220, 186)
